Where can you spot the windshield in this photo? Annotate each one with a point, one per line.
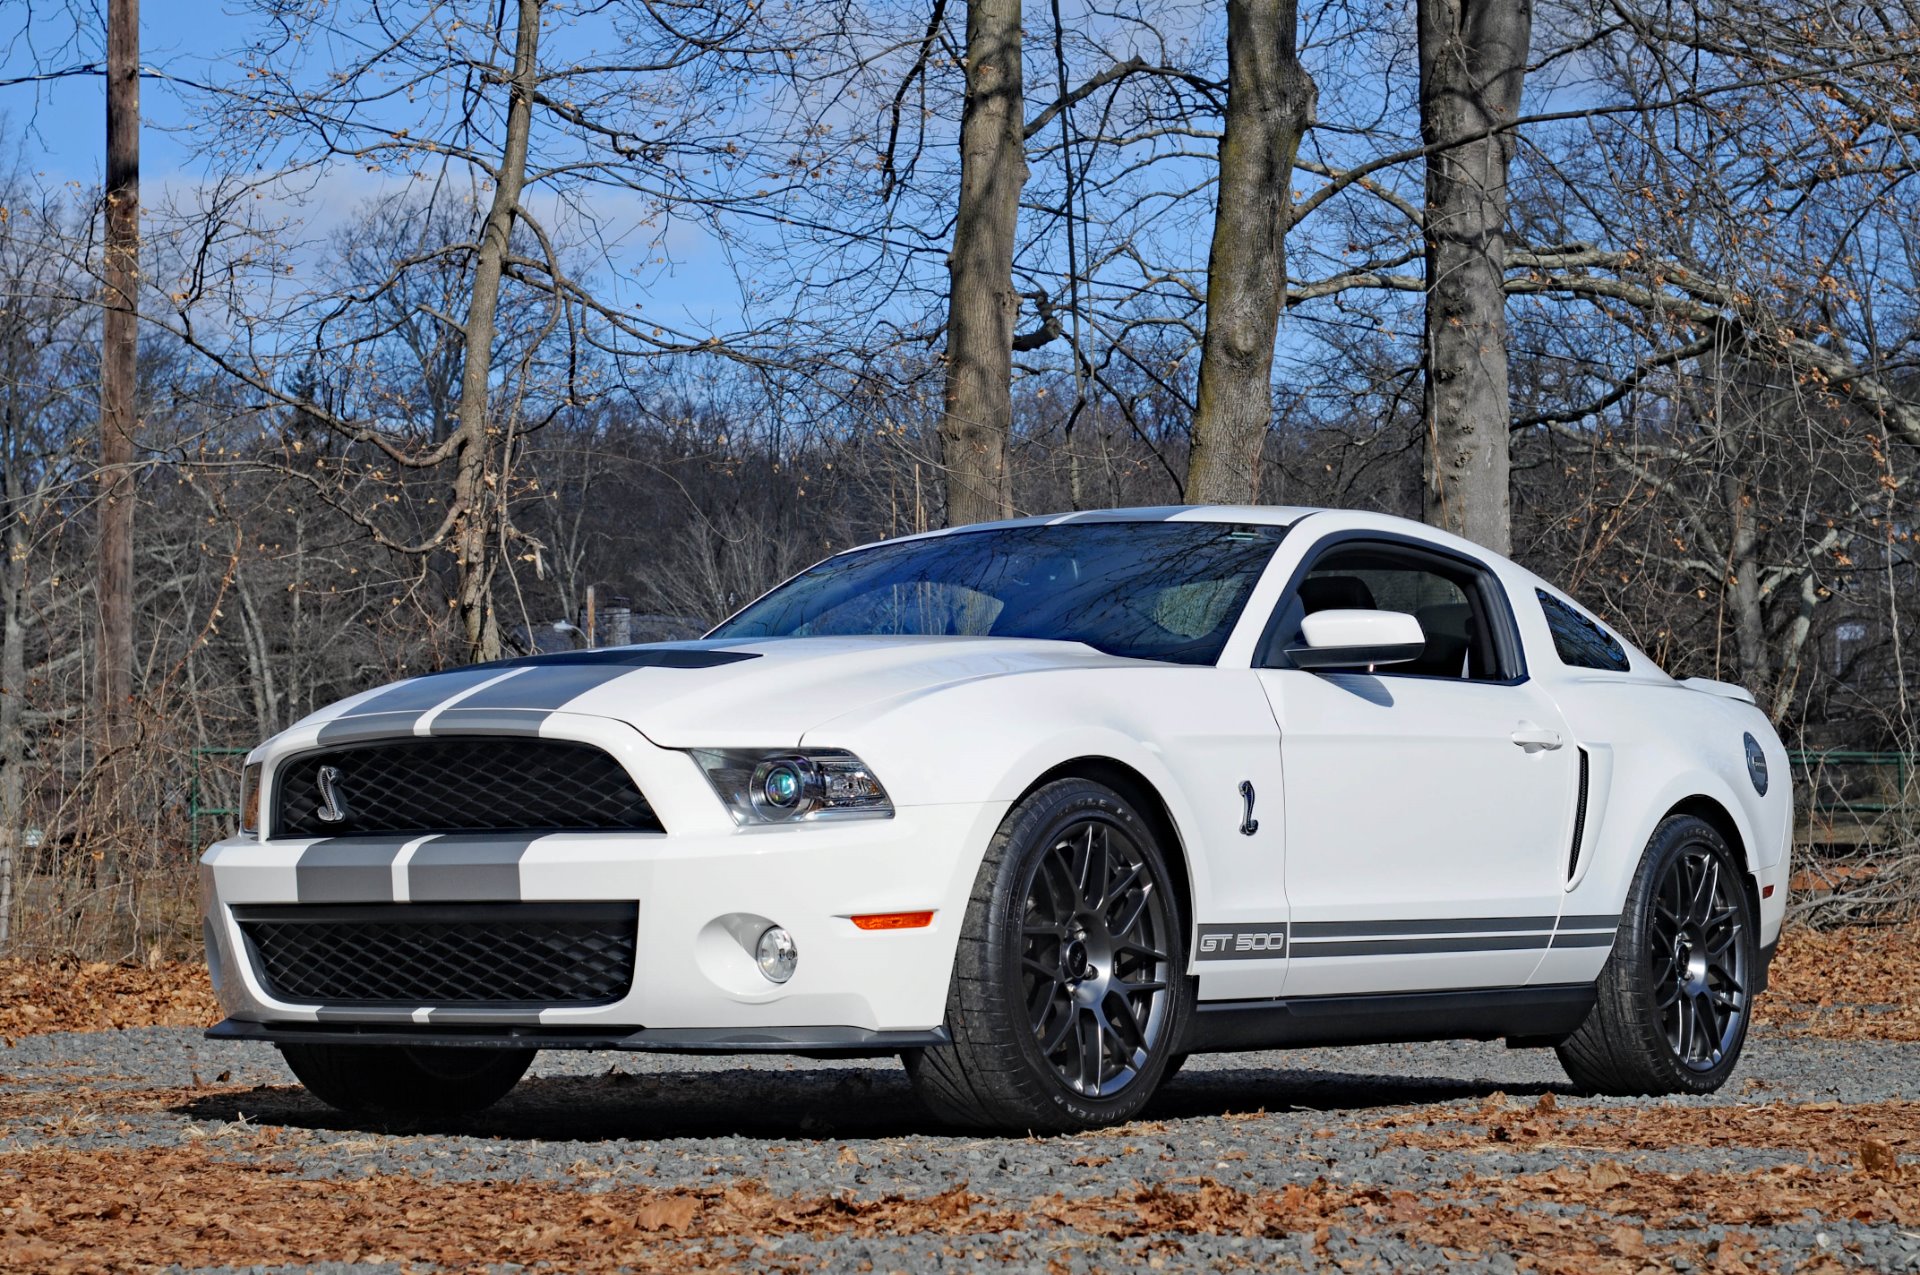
(1147, 590)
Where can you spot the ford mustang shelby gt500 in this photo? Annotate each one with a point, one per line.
(1043, 806)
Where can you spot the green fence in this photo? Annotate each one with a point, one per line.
(198, 808)
(1851, 783)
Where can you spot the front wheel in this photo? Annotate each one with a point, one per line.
(407, 1080)
(1677, 991)
(1069, 991)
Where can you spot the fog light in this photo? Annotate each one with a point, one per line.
(777, 954)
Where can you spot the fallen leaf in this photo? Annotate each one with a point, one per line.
(672, 1213)
(1876, 1156)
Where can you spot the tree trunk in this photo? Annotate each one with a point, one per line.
(1270, 100)
(113, 657)
(981, 304)
(1743, 590)
(1473, 56)
(13, 686)
(477, 477)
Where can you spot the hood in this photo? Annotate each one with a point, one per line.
(726, 693)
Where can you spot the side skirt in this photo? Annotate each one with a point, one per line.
(1523, 1015)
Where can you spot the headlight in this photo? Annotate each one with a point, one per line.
(793, 784)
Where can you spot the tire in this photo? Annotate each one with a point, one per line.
(1044, 1038)
(1676, 994)
(407, 1080)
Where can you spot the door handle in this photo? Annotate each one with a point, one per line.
(1535, 738)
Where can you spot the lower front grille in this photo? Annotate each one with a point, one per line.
(508, 955)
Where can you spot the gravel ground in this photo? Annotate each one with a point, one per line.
(1455, 1125)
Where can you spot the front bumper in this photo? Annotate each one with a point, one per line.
(829, 1042)
(703, 898)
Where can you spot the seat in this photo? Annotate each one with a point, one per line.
(1335, 593)
(1448, 628)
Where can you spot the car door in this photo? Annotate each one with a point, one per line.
(1427, 805)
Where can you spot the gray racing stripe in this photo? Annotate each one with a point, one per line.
(461, 720)
(347, 870)
(546, 688)
(467, 868)
(464, 1014)
(1584, 940)
(1438, 925)
(355, 730)
(364, 1014)
(1405, 947)
(1146, 513)
(537, 682)
(1590, 922)
(414, 699)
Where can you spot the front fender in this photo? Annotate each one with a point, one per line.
(1193, 734)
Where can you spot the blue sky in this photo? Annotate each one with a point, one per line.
(56, 130)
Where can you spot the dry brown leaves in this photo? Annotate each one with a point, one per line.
(1858, 983)
(68, 1098)
(63, 1211)
(72, 996)
(1824, 1130)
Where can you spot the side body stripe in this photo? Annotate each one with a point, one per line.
(1305, 940)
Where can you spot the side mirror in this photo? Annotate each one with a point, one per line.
(1344, 639)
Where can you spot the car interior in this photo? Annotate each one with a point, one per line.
(1447, 600)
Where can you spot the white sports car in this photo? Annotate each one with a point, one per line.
(1043, 806)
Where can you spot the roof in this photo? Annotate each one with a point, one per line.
(1259, 515)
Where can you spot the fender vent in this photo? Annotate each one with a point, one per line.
(1579, 819)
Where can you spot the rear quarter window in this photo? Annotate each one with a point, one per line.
(1578, 641)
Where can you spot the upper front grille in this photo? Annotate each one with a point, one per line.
(458, 785)
(418, 954)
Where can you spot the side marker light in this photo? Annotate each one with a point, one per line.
(894, 921)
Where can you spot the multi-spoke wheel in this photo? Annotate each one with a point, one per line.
(1093, 956)
(1069, 990)
(1699, 963)
(1671, 1013)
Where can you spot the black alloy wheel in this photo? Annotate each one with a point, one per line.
(1094, 957)
(1699, 964)
(1673, 1001)
(1069, 993)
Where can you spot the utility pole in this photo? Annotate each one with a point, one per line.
(119, 337)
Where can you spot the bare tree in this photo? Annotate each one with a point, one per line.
(119, 377)
(477, 480)
(1473, 58)
(1269, 107)
(982, 305)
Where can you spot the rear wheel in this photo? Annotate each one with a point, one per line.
(407, 1079)
(1676, 993)
(1069, 992)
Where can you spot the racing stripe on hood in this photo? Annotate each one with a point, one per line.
(403, 705)
(348, 869)
(538, 683)
(554, 680)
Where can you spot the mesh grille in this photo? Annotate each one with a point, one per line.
(503, 954)
(461, 785)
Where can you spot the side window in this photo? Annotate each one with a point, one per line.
(1453, 601)
(1580, 642)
